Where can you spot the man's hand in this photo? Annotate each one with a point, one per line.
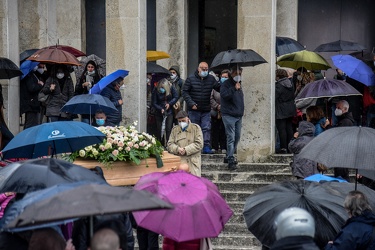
(120, 102)
(52, 87)
(181, 151)
(194, 107)
(237, 86)
(167, 106)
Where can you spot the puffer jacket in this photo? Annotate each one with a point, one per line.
(301, 167)
(114, 96)
(284, 99)
(356, 233)
(197, 91)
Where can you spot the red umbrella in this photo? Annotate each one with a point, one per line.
(75, 52)
(54, 55)
(199, 209)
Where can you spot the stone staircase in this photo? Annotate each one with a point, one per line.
(236, 187)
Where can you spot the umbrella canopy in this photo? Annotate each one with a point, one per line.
(339, 45)
(326, 88)
(239, 57)
(99, 86)
(355, 68)
(75, 52)
(308, 59)
(286, 45)
(58, 137)
(27, 66)
(8, 69)
(344, 147)
(153, 68)
(86, 199)
(322, 177)
(199, 209)
(153, 55)
(366, 57)
(88, 104)
(36, 174)
(54, 55)
(27, 53)
(100, 64)
(324, 203)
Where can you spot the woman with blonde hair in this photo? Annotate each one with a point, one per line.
(164, 97)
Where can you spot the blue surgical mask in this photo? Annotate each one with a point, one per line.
(100, 122)
(204, 73)
(162, 90)
(223, 79)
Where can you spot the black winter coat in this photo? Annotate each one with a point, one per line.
(284, 99)
(159, 101)
(302, 167)
(231, 100)
(114, 96)
(345, 120)
(29, 89)
(295, 243)
(197, 91)
(120, 223)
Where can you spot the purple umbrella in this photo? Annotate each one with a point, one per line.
(327, 88)
(199, 209)
(355, 69)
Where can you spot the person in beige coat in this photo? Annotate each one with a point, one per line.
(186, 141)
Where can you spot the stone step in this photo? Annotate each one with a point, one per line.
(236, 240)
(276, 158)
(238, 186)
(248, 167)
(247, 177)
(238, 196)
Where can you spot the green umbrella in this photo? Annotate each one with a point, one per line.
(308, 59)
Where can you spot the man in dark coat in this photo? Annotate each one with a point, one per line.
(358, 231)
(232, 110)
(113, 93)
(197, 94)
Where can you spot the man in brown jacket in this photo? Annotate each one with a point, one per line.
(186, 141)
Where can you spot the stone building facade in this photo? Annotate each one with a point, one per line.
(29, 24)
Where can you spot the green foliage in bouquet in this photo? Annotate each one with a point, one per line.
(122, 143)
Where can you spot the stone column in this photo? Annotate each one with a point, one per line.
(287, 18)
(171, 36)
(126, 49)
(257, 31)
(9, 49)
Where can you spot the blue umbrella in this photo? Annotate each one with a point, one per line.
(52, 138)
(321, 177)
(355, 69)
(107, 80)
(27, 66)
(88, 104)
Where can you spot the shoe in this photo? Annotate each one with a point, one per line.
(226, 160)
(232, 166)
(223, 151)
(282, 151)
(207, 150)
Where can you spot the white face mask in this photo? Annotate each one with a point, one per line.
(338, 112)
(183, 125)
(60, 75)
(237, 78)
(40, 70)
(173, 76)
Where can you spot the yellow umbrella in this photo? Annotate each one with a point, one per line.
(308, 59)
(153, 55)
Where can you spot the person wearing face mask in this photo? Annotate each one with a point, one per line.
(218, 137)
(177, 83)
(30, 86)
(100, 119)
(232, 109)
(59, 86)
(186, 141)
(88, 79)
(197, 94)
(164, 97)
(113, 93)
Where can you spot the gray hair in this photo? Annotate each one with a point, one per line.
(356, 203)
(345, 104)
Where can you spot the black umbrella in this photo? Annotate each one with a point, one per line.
(81, 200)
(339, 45)
(153, 68)
(324, 203)
(286, 45)
(366, 57)
(239, 57)
(31, 175)
(27, 53)
(8, 69)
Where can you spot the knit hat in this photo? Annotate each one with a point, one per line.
(175, 68)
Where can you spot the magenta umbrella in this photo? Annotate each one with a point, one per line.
(199, 209)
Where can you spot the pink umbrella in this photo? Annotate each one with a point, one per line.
(199, 209)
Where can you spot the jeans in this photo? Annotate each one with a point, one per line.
(203, 119)
(233, 127)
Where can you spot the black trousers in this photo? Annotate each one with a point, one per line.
(285, 129)
(147, 240)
